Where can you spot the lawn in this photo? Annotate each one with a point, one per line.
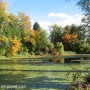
(36, 74)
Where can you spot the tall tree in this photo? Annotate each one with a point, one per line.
(56, 34)
(24, 20)
(3, 7)
(43, 41)
(85, 6)
(3, 15)
(36, 26)
(30, 39)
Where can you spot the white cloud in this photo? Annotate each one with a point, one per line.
(66, 19)
(58, 15)
(43, 24)
(61, 19)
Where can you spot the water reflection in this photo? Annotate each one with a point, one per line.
(15, 67)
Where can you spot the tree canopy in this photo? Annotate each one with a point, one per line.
(17, 36)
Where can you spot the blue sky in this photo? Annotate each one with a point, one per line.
(48, 12)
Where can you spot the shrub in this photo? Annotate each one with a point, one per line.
(41, 53)
(80, 84)
(56, 53)
(69, 53)
(59, 47)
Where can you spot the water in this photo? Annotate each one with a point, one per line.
(26, 74)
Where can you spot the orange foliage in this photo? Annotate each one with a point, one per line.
(15, 45)
(70, 37)
(67, 37)
(74, 37)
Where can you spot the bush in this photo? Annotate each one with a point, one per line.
(39, 53)
(51, 47)
(56, 53)
(32, 53)
(80, 85)
(60, 47)
(69, 53)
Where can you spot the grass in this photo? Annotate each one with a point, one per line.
(36, 74)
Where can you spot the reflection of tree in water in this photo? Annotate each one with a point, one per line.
(15, 67)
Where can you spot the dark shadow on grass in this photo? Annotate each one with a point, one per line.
(51, 71)
(46, 83)
(10, 78)
(33, 83)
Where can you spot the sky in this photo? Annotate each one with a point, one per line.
(48, 12)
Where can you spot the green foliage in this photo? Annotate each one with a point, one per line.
(50, 47)
(74, 38)
(41, 53)
(85, 5)
(60, 47)
(30, 39)
(56, 34)
(43, 41)
(82, 47)
(4, 43)
(69, 53)
(24, 20)
(3, 7)
(36, 26)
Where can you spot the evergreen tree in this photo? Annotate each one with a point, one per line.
(36, 26)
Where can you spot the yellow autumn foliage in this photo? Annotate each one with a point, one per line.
(3, 7)
(15, 46)
(32, 36)
(4, 39)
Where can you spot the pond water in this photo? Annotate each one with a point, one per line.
(32, 74)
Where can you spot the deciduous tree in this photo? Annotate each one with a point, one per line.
(14, 47)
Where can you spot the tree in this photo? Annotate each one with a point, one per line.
(56, 34)
(24, 20)
(3, 7)
(3, 15)
(36, 26)
(14, 47)
(30, 39)
(70, 36)
(67, 29)
(3, 45)
(86, 25)
(85, 5)
(43, 41)
(11, 27)
(60, 48)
